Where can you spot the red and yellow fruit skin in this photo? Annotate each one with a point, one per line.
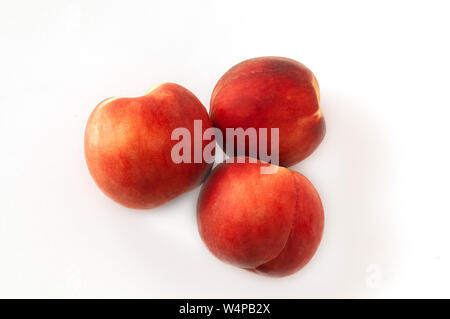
(128, 146)
(271, 92)
(267, 223)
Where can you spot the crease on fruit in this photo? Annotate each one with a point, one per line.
(292, 224)
(154, 87)
(314, 117)
(111, 99)
(107, 101)
(317, 114)
(315, 84)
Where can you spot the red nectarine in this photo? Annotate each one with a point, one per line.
(270, 92)
(267, 223)
(128, 146)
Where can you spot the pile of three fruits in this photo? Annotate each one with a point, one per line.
(269, 223)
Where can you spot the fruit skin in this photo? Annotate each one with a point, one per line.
(271, 92)
(271, 224)
(128, 146)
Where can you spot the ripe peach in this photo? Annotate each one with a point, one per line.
(268, 223)
(128, 146)
(271, 92)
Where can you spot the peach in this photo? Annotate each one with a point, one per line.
(267, 223)
(271, 92)
(128, 146)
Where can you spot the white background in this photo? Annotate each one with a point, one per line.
(382, 169)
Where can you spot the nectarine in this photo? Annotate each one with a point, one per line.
(128, 146)
(270, 92)
(268, 223)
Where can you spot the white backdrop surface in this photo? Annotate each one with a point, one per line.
(382, 169)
